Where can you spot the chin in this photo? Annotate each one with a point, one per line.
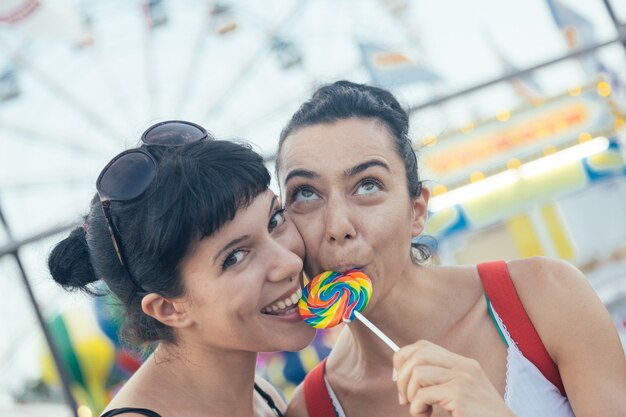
(297, 341)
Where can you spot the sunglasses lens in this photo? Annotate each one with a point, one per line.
(126, 177)
(173, 134)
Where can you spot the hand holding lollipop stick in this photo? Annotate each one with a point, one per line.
(332, 298)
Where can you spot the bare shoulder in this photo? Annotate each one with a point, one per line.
(297, 404)
(541, 271)
(553, 289)
(554, 292)
(455, 279)
(272, 392)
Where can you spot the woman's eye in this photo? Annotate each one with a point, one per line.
(277, 220)
(303, 194)
(368, 186)
(233, 258)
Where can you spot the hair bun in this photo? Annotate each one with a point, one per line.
(69, 262)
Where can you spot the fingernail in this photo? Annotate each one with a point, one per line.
(401, 399)
(394, 375)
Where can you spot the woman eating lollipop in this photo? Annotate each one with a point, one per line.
(185, 232)
(526, 338)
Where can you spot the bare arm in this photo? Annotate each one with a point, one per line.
(578, 333)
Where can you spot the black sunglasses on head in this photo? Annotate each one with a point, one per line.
(130, 173)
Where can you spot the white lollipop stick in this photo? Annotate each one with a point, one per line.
(376, 331)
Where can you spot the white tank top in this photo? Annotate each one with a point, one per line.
(527, 392)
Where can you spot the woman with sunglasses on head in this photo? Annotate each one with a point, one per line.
(527, 338)
(186, 233)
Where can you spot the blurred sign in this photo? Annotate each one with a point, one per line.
(523, 135)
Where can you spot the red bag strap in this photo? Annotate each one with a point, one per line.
(504, 298)
(316, 396)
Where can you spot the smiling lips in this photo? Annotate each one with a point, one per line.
(289, 303)
(284, 306)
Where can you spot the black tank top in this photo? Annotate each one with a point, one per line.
(149, 413)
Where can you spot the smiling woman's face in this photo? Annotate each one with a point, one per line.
(345, 188)
(240, 282)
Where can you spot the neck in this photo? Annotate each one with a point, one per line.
(204, 379)
(411, 310)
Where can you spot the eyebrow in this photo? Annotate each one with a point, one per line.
(304, 173)
(229, 245)
(350, 172)
(272, 204)
(240, 239)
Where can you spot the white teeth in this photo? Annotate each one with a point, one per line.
(292, 300)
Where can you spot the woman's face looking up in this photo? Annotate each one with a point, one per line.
(345, 188)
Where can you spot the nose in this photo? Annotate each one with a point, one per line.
(338, 222)
(283, 263)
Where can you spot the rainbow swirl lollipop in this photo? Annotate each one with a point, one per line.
(332, 297)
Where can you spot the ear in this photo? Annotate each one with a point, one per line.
(169, 312)
(420, 212)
